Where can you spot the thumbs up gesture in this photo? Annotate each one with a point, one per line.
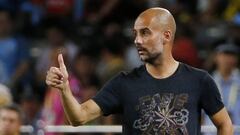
(57, 77)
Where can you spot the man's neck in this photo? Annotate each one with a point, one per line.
(163, 69)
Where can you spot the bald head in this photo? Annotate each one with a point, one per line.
(158, 18)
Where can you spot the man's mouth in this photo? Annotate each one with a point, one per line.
(141, 50)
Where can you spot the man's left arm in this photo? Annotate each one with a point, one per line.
(222, 122)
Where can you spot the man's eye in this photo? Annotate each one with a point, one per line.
(145, 33)
(134, 34)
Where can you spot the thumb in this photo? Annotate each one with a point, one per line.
(61, 62)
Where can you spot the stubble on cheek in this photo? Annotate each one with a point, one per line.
(159, 45)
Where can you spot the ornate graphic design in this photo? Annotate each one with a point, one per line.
(162, 114)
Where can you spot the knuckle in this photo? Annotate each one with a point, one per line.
(53, 69)
(47, 77)
(47, 82)
(48, 74)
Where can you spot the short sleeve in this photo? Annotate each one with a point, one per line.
(211, 100)
(108, 98)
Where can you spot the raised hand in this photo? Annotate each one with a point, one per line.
(58, 77)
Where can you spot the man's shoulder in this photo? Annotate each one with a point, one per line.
(134, 73)
(193, 70)
(124, 77)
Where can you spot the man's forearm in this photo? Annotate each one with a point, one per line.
(225, 130)
(76, 113)
(71, 107)
(222, 122)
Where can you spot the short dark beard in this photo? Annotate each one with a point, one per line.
(152, 59)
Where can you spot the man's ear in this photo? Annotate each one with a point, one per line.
(167, 36)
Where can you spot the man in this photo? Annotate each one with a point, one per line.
(10, 120)
(227, 78)
(161, 97)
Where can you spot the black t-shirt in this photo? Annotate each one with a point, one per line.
(160, 106)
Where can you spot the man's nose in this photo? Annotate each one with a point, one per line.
(138, 40)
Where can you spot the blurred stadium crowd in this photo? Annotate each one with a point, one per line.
(95, 37)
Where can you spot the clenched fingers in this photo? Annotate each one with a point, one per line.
(56, 71)
(51, 76)
(52, 84)
(57, 81)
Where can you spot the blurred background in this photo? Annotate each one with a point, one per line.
(95, 37)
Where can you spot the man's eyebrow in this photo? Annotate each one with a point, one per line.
(144, 28)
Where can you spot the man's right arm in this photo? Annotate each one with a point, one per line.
(76, 113)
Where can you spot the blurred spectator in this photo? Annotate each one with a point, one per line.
(10, 120)
(29, 18)
(111, 61)
(85, 76)
(184, 49)
(67, 11)
(31, 107)
(53, 113)
(10, 5)
(227, 77)
(34, 10)
(99, 10)
(232, 10)
(13, 54)
(33, 13)
(59, 7)
(211, 10)
(5, 96)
